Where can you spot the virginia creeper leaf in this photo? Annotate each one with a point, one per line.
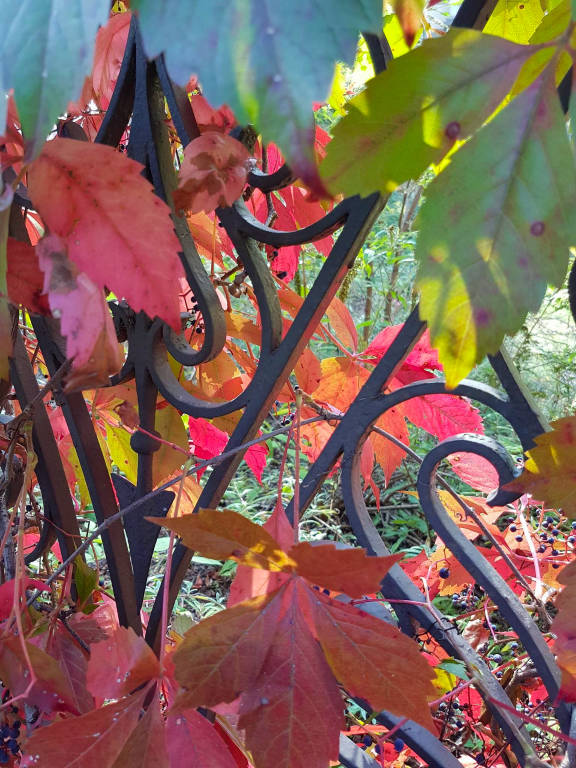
(193, 740)
(224, 534)
(222, 656)
(274, 59)
(117, 231)
(51, 690)
(489, 244)
(410, 115)
(213, 173)
(85, 318)
(344, 570)
(25, 280)
(73, 664)
(549, 472)
(295, 688)
(119, 664)
(93, 740)
(46, 54)
(375, 660)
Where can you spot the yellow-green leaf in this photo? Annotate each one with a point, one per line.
(411, 115)
(496, 229)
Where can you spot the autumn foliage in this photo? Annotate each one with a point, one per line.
(109, 234)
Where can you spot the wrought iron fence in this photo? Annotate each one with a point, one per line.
(129, 541)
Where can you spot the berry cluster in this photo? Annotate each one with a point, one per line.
(9, 735)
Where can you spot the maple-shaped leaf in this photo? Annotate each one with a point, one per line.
(213, 173)
(341, 569)
(46, 53)
(119, 664)
(193, 740)
(223, 655)
(223, 534)
(564, 627)
(549, 469)
(488, 250)
(116, 229)
(266, 652)
(355, 644)
(24, 278)
(93, 740)
(85, 318)
(393, 133)
(274, 59)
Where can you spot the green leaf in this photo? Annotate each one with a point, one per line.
(86, 581)
(269, 61)
(46, 54)
(496, 229)
(454, 667)
(410, 115)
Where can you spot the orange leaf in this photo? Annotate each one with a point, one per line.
(564, 627)
(550, 470)
(213, 173)
(342, 379)
(342, 323)
(374, 660)
(93, 740)
(344, 570)
(119, 664)
(110, 212)
(224, 534)
(222, 656)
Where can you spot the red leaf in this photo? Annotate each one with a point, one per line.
(51, 691)
(93, 740)
(193, 740)
(209, 441)
(146, 746)
(374, 660)
(474, 470)
(110, 213)
(7, 594)
(85, 319)
(25, 280)
(119, 664)
(295, 688)
(213, 173)
(108, 54)
(73, 664)
(222, 656)
(343, 570)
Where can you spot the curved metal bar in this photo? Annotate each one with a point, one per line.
(476, 565)
(427, 746)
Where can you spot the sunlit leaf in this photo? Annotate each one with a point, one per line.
(492, 235)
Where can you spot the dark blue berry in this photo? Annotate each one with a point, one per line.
(398, 745)
(542, 549)
(551, 539)
(571, 539)
(519, 538)
(367, 740)
(480, 759)
(514, 646)
(496, 658)
(574, 524)
(377, 749)
(4, 756)
(326, 591)
(555, 565)
(13, 746)
(513, 528)
(549, 519)
(444, 573)
(555, 531)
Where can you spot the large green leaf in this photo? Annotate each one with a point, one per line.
(268, 60)
(496, 229)
(410, 115)
(46, 54)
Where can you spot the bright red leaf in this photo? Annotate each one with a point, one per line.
(106, 223)
(193, 740)
(24, 278)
